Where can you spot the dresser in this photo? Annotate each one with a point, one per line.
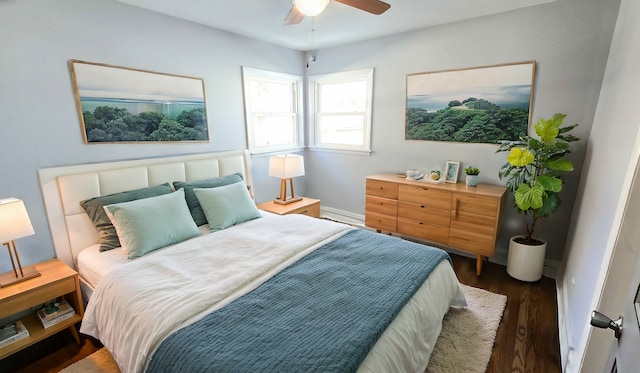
(450, 214)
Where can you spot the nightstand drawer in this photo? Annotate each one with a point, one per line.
(37, 296)
(382, 189)
(312, 210)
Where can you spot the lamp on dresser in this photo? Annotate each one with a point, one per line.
(14, 224)
(286, 167)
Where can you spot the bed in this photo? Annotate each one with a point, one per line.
(261, 292)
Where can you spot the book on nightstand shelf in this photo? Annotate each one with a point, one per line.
(55, 311)
(12, 332)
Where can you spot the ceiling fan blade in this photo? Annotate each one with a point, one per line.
(294, 17)
(372, 6)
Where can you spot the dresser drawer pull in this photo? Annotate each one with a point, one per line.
(421, 206)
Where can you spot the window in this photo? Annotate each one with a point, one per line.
(340, 104)
(272, 110)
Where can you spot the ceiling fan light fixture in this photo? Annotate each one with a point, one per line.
(310, 8)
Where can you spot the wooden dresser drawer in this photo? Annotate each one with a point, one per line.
(470, 238)
(477, 205)
(380, 222)
(425, 195)
(424, 213)
(380, 205)
(424, 230)
(382, 189)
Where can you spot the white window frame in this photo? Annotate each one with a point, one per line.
(251, 74)
(314, 84)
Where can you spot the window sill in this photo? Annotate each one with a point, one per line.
(341, 151)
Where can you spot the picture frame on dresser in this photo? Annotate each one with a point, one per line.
(451, 171)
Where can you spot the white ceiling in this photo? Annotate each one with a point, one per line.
(338, 24)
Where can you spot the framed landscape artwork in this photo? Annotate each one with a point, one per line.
(487, 104)
(119, 104)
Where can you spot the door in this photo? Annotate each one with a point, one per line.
(626, 357)
(620, 296)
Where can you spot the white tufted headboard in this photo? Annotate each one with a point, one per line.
(64, 187)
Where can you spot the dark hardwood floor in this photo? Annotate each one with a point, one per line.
(527, 339)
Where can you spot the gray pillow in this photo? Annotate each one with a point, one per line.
(192, 200)
(94, 207)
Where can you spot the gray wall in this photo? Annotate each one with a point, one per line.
(39, 124)
(569, 39)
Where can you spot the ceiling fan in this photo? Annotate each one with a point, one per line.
(302, 8)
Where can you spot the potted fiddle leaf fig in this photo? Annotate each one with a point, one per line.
(533, 174)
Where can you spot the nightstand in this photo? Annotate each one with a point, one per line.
(56, 280)
(308, 206)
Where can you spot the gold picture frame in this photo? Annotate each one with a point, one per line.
(125, 105)
(485, 104)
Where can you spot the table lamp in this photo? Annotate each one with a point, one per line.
(14, 224)
(286, 167)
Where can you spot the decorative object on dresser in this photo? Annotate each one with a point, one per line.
(533, 171)
(306, 206)
(286, 167)
(463, 218)
(472, 173)
(14, 224)
(451, 171)
(57, 281)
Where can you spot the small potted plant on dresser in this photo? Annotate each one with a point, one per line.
(472, 176)
(533, 172)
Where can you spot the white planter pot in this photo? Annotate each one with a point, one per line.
(526, 262)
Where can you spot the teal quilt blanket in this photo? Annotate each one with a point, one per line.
(321, 314)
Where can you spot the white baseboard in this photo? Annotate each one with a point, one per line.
(564, 328)
(342, 216)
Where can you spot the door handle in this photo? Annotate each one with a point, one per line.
(601, 321)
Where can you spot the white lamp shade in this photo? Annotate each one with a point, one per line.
(311, 7)
(14, 220)
(286, 166)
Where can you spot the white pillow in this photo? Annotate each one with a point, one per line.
(227, 205)
(151, 223)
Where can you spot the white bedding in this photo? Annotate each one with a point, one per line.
(137, 304)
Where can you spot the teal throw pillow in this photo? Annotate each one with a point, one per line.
(152, 223)
(94, 207)
(192, 201)
(227, 205)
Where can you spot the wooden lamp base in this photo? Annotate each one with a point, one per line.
(10, 278)
(282, 199)
(18, 274)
